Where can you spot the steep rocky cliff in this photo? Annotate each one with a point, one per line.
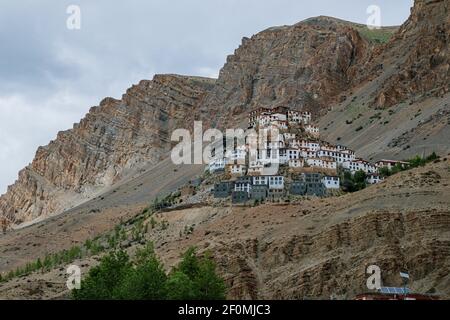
(304, 66)
(420, 54)
(399, 103)
(114, 139)
(313, 65)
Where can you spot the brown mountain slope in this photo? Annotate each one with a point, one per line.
(310, 65)
(304, 66)
(399, 105)
(420, 52)
(314, 250)
(317, 249)
(95, 216)
(113, 140)
(400, 132)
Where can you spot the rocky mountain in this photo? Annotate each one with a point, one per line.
(318, 249)
(114, 139)
(382, 92)
(399, 106)
(304, 66)
(421, 54)
(319, 64)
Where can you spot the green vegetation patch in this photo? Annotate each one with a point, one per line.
(415, 162)
(144, 278)
(376, 36)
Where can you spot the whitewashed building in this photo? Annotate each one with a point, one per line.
(216, 165)
(276, 143)
(296, 163)
(237, 169)
(307, 153)
(313, 130)
(276, 182)
(243, 187)
(313, 145)
(288, 136)
(390, 164)
(236, 155)
(359, 165)
(374, 178)
(268, 156)
(278, 116)
(283, 156)
(297, 117)
(293, 153)
(331, 182)
(261, 181)
(255, 168)
(305, 144)
(322, 163)
(339, 156)
(279, 124)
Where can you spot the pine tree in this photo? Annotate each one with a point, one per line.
(147, 281)
(103, 281)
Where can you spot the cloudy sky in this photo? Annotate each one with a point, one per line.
(50, 76)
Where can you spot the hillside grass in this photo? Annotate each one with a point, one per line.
(376, 36)
(133, 230)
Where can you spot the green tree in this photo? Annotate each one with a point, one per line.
(204, 282)
(416, 162)
(432, 157)
(10, 274)
(208, 284)
(153, 222)
(359, 179)
(147, 281)
(347, 182)
(180, 287)
(103, 281)
(359, 176)
(189, 265)
(384, 172)
(398, 167)
(47, 264)
(38, 265)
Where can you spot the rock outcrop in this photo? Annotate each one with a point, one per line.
(114, 139)
(304, 66)
(418, 55)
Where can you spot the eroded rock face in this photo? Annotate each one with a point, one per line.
(113, 139)
(309, 66)
(421, 54)
(302, 66)
(312, 249)
(332, 263)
